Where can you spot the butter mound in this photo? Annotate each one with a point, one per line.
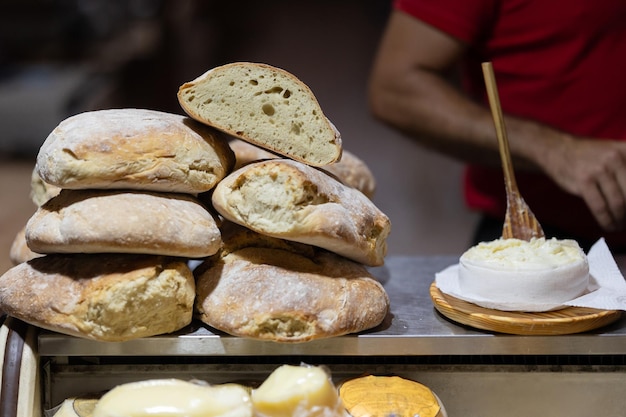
(297, 391)
(518, 275)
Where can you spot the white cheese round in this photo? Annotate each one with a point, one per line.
(174, 397)
(517, 275)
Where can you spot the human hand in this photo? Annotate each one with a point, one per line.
(594, 170)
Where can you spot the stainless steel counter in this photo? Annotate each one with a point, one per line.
(413, 328)
(475, 373)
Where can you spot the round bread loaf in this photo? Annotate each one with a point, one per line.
(266, 288)
(20, 252)
(98, 221)
(518, 275)
(40, 192)
(350, 170)
(266, 106)
(134, 149)
(102, 297)
(291, 200)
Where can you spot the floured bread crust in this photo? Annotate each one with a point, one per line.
(266, 106)
(40, 192)
(350, 170)
(102, 297)
(517, 275)
(19, 251)
(95, 221)
(290, 200)
(134, 149)
(286, 292)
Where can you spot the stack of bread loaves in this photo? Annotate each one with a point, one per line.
(142, 192)
(295, 268)
(116, 234)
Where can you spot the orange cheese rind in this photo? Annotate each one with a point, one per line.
(384, 396)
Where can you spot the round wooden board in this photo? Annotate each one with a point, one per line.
(564, 321)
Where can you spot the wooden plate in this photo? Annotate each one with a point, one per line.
(564, 321)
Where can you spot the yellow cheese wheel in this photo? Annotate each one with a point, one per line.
(384, 396)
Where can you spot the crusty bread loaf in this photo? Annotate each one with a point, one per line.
(266, 106)
(291, 200)
(97, 221)
(136, 149)
(19, 251)
(107, 297)
(265, 288)
(350, 170)
(40, 191)
(246, 153)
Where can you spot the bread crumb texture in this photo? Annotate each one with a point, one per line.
(266, 106)
(291, 200)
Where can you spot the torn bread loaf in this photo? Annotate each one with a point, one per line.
(98, 221)
(106, 297)
(134, 149)
(266, 106)
(350, 170)
(270, 289)
(291, 200)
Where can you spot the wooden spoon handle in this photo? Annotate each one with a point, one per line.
(498, 119)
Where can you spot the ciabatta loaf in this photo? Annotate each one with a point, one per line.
(350, 170)
(115, 221)
(291, 200)
(101, 297)
(269, 289)
(134, 149)
(266, 106)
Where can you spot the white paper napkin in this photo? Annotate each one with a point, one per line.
(606, 290)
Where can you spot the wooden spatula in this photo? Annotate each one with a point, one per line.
(519, 221)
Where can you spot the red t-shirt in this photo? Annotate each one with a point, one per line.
(560, 63)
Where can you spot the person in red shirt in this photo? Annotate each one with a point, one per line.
(560, 69)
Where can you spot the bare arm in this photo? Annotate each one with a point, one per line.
(409, 90)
